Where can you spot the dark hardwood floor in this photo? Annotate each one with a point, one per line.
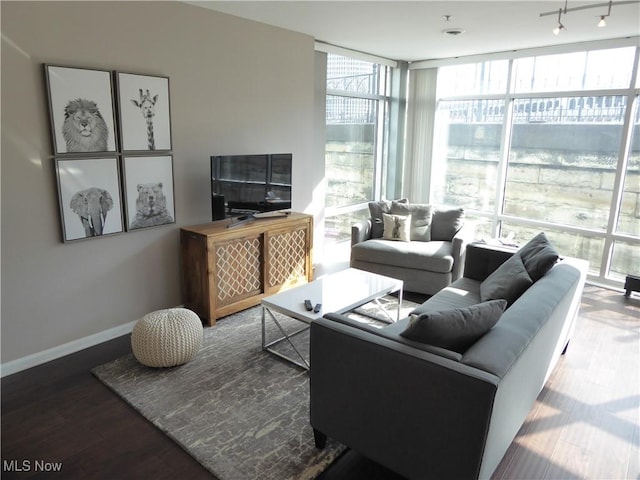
(585, 423)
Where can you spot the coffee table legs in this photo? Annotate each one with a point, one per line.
(301, 361)
(384, 311)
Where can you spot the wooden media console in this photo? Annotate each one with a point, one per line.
(228, 267)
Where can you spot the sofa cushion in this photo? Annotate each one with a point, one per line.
(508, 281)
(376, 209)
(464, 292)
(446, 223)
(538, 256)
(431, 256)
(545, 301)
(421, 215)
(455, 329)
(396, 227)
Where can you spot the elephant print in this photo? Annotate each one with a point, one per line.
(92, 205)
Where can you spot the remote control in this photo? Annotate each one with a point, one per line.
(307, 305)
(317, 308)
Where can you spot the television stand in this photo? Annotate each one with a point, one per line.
(257, 216)
(225, 270)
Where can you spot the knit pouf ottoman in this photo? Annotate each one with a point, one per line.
(166, 338)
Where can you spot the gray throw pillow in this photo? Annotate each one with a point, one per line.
(455, 329)
(508, 281)
(376, 209)
(421, 215)
(446, 223)
(538, 256)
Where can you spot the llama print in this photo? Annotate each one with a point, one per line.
(147, 105)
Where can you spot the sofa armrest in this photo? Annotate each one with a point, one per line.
(360, 231)
(482, 259)
(392, 403)
(459, 243)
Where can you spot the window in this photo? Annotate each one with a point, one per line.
(562, 161)
(629, 213)
(592, 70)
(356, 120)
(545, 153)
(470, 133)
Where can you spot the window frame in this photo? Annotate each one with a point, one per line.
(497, 218)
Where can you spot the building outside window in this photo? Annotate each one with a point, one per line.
(356, 123)
(547, 143)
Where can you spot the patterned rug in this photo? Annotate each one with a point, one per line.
(239, 411)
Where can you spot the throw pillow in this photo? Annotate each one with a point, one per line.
(508, 281)
(376, 209)
(538, 256)
(397, 227)
(421, 215)
(446, 223)
(455, 329)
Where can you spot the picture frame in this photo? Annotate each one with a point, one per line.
(81, 110)
(145, 112)
(148, 191)
(89, 196)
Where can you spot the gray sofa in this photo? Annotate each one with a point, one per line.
(426, 411)
(431, 260)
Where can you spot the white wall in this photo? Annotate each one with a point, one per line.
(236, 87)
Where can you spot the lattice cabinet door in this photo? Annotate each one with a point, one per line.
(238, 269)
(287, 261)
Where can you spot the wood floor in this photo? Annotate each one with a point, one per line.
(585, 424)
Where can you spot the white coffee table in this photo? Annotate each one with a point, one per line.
(337, 293)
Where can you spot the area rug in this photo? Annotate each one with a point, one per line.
(239, 411)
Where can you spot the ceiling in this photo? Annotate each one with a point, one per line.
(412, 30)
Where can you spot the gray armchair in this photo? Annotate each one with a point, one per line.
(430, 261)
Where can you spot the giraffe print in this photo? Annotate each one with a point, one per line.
(147, 104)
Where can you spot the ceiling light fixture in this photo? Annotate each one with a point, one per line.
(560, 26)
(601, 23)
(452, 32)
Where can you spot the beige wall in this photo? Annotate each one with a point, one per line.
(236, 87)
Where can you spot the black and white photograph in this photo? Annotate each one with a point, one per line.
(81, 109)
(149, 191)
(89, 196)
(145, 120)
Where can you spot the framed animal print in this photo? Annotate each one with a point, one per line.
(148, 188)
(81, 109)
(143, 106)
(89, 197)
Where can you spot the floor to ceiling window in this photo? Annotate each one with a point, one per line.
(357, 109)
(547, 142)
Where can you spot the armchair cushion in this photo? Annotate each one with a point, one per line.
(421, 215)
(432, 256)
(446, 223)
(456, 329)
(396, 227)
(376, 209)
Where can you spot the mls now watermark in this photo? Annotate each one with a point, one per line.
(31, 466)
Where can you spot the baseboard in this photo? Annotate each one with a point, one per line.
(45, 356)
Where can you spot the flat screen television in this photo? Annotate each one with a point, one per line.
(251, 183)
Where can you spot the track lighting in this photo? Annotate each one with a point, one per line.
(560, 26)
(601, 23)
